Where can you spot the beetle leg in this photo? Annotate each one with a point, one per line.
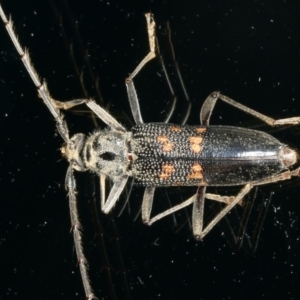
(279, 177)
(147, 207)
(219, 198)
(211, 100)
(147, 204)
(102, 189)
(197, 229)
(198, 212)
(101, 113)
(131, 91)
(114, 194)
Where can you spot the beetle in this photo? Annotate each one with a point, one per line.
(163, 155)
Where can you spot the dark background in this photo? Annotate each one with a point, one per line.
(249, 52)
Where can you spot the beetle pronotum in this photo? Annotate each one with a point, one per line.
(166, 154)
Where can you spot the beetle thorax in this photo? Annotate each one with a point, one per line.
(103, 152)
(106, 152)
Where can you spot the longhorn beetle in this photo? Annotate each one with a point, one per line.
(163, 155)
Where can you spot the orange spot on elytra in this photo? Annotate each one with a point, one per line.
(196, 143)
(196, 172)
(175, 129)
(166, 143)
(200, 129)
(167, 170)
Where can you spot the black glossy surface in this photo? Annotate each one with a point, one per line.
(235, 156)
